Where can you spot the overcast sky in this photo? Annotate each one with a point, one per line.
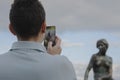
(74, 14)
(83, 14)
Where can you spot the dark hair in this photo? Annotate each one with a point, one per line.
(26, 17)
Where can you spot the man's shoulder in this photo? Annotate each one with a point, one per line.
(3, 55)
(5, 60)
(62, 60)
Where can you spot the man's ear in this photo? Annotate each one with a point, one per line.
(43, 27)
(11, 29)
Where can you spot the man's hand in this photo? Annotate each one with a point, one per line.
(55, 50)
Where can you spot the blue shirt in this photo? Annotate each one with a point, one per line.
(30, 61)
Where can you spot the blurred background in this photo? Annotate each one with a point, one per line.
(79, 23)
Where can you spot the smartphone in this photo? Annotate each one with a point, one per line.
(50, 35)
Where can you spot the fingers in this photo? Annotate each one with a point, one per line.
(58, 41)
(55, 49)
(49, 45)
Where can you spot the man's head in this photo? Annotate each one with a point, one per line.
(27, 18)
(102, 45)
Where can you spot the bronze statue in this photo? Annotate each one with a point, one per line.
(100, 62)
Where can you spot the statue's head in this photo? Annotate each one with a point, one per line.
(102, 45)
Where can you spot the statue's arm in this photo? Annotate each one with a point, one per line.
(110, 70)
(90, 65)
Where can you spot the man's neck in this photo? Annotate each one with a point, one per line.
(38, 38)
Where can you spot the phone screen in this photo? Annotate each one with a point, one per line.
(50, 35)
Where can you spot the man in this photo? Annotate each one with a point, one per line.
(28, 59)
(100, 62)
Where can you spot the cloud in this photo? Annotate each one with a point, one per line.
(116, 44)
(116, 34)
(74, 14)
(83, 14)
(67, 43)
(4, 14)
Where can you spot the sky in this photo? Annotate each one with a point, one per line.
(79, 23)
